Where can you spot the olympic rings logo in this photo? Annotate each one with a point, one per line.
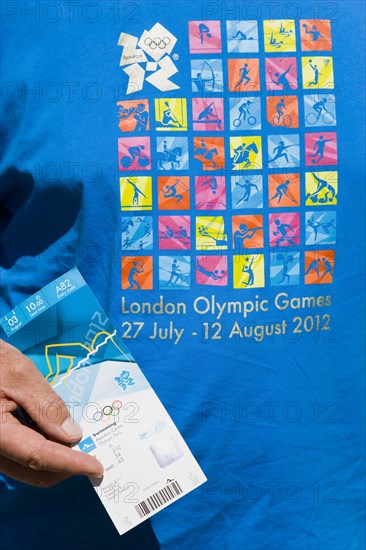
(108, 411)
(161, 43)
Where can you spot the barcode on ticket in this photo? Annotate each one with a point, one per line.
(158, 499)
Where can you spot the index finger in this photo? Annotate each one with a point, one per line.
(29, 448)
(24, 384)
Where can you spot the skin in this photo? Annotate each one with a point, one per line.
(39, 457)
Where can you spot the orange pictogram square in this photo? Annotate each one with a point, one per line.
(315, 35)
(243, 75)
(209, 152)
(173, 192)
(137, 273)
(283, 111)
(319, 267)
(247, 232)
(283, 190)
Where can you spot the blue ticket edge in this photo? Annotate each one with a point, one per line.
(41, 301)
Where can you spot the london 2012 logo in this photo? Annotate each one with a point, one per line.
(125, 379)
(149, 58)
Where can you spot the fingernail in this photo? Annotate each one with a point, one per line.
(96, 480)
(72, 428)
(96, 474)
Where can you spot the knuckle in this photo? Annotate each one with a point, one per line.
(18, 367)
(55, 408)
(56, 401)
(35, 461)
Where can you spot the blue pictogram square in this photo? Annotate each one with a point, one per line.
(87, 445)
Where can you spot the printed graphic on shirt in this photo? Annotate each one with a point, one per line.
(206, 75)
(209, 153)
(319, 267)
(136, 193)
(247, 232)
(204, 37)
(281, 74)
(320, 110)
(284, 267)
(134, 153)
(137, 233)
(149, 58)
(317, 72)
(172, 153)
(283, 111)
(171, 114)
(173, 192)
(284, 151)
(243, 75)
(321, 188)
(315, 35)
(245, 113)
(283, 190)
(174, 272)
(248, 271)
(212, 270)
(210, 192)
(247, 191)
(279, 35)
(134, 116)
(174, 233)
(242, 36)
(246, 153)
(321, 227)
(210, 233)
(321, 148)
(208, 114)
(137, 273)
(284, 229)
(230, 209)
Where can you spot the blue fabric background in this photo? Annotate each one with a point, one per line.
(51, 221)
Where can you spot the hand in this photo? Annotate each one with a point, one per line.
(40, 459)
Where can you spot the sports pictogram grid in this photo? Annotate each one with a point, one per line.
(232, 179)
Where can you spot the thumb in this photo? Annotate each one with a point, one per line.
(24, 384)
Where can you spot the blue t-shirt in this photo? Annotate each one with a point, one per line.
(224, 189)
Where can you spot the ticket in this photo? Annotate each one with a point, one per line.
(147, 464)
